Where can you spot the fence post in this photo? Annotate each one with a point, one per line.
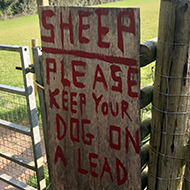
(42, 2)
(171, 102)
(186, 184)
(34, 42)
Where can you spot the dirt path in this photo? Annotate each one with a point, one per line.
(5, 186)
(18, 146)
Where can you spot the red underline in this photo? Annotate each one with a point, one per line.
(106, 58)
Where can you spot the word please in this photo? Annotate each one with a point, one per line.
(99, 77)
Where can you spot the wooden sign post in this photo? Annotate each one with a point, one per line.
(91, 76)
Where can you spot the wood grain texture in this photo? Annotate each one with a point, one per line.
(144, 178)
(148, 52)
(146, 93)
(186, 184)
(34, 42)
(168, 152)
(91, 79)
(146, 126)
(37, 53)
(145, 154)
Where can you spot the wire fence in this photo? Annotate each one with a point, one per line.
(13, 108)
(20, 147)
(8, 73)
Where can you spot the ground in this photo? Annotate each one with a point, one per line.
(21, 172)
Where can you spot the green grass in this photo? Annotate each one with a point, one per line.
(19, 32)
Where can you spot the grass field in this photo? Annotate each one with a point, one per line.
(21, 30)
(149, 12)
(15, 32)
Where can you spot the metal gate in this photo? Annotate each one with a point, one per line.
(20, 142)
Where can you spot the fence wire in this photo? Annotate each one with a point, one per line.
(13, 108)
(17, 171)
(9, 75)
(16, 143)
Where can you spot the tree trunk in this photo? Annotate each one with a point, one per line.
(171, 101)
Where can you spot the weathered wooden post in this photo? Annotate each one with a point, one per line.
(34, 42)
(91, 78)
(171, 101)
(42, 3)
(186, 184)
